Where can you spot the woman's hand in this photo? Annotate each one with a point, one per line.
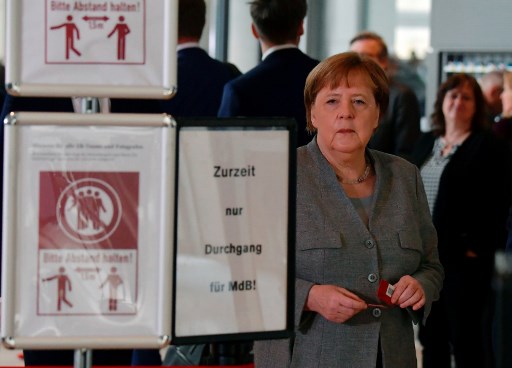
(334, 303)
(408, 292)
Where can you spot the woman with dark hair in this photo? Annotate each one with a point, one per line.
(466, 174)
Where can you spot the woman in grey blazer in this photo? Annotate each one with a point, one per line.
(362, 217)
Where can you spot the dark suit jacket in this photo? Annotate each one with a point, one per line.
(273, 88)
(473, 199)
(42, 104)
(508, 247)
(3, 92)
(65, 104)
(200, 83)
(399, 129)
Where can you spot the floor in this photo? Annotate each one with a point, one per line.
(14, 358)
(10, 358)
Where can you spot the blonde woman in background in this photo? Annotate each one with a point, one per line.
(502, 126)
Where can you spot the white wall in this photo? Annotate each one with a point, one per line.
(2, 30)
(382, 19)
(476, 24)
(466, 25)
(243, 48)
(341, 20)
(329, 26)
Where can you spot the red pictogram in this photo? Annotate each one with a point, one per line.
(89, 210)
(70, 28)
(114, 281)
(122, 30)
(62, 281)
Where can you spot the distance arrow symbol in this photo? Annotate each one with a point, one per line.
(88, 18)
(90, 269)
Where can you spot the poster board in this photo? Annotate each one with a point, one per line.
(87, 210)
(94, 48)
(235, 229)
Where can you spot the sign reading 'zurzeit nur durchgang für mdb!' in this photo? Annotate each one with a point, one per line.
(241, 208)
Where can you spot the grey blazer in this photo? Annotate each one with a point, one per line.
(334, 246)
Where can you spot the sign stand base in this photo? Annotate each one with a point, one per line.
(82, 358)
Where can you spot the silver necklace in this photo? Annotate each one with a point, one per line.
(359, 179)
(439, 147)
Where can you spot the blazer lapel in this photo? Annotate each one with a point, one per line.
(340, 214)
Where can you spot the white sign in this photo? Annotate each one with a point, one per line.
(91, 48)
(82, 227)
(95, 32)
(232, 231)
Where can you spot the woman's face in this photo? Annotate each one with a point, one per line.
(345, 117)
(459, 105)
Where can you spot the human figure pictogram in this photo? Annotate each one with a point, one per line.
(89, 206)
(62, 281)
(114, 281)
(122, 30)
(97, 207)
(71, 28)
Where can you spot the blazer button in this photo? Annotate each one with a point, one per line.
(376, 312)
(369, 243)
(372, 277)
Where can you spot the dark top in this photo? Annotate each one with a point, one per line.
(502, 128)
(475, 193)
(399, 129)
(3, 92)
(275, 87)
(200, 83)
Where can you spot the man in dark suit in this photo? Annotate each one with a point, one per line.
(200, 77)
(275, 87)
(399, 129)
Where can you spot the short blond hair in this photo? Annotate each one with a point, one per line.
(507, 80)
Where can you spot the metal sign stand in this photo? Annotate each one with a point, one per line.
(89, 105)
(83, 357)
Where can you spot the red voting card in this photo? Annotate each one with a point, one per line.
(385, 291)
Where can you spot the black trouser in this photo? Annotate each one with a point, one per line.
(66, 357)
(459, 322)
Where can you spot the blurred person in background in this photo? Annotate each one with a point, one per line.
(399, 128)
(201, 78)
(492, 87)
(467, 177)
(2, 81)
(502, 126)
(275, 86)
